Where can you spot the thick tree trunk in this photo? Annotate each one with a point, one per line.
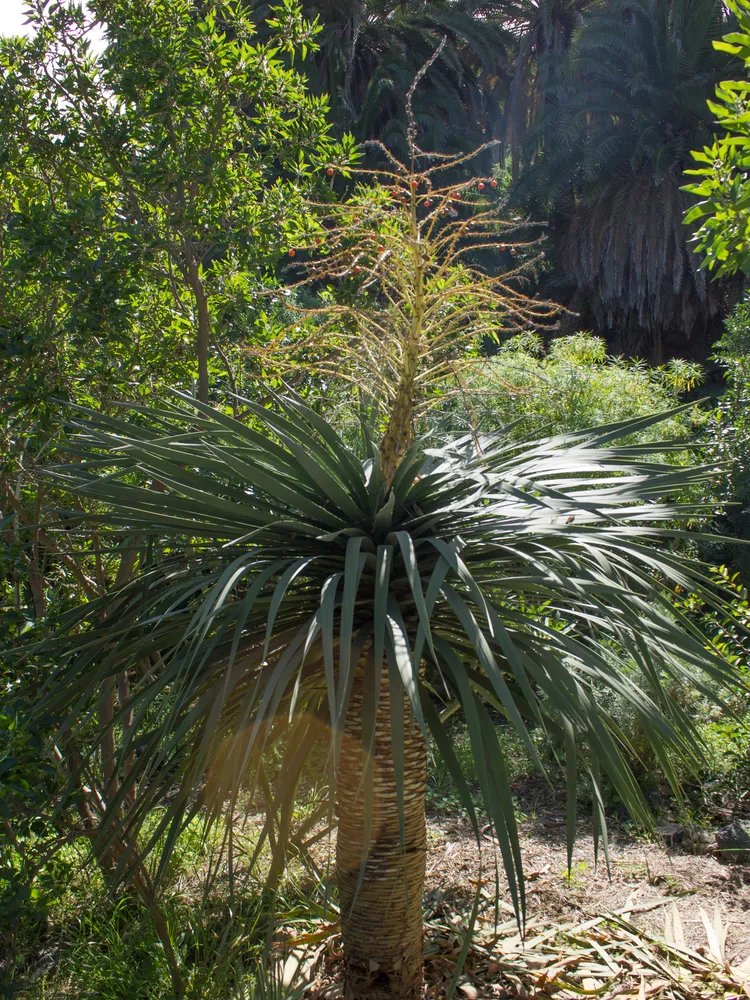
(382, 924)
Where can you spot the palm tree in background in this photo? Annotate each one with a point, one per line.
(490, 82)
(369, 54)
(597, 106)
(543, 30)
(623, 110)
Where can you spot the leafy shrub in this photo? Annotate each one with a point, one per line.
(726, 735)
(728, 741)
(574, 384)
(722, 167)
(571, 385)
(722, 781)
(34, 871)
(31, 829)
(731, 424)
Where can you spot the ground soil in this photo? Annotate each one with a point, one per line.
(640, 873)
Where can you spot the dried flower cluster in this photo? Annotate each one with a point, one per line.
(407, 273)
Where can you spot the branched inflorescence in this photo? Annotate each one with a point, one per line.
(408, 270)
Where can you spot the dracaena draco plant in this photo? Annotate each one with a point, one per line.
(295, 591)
(307, 598)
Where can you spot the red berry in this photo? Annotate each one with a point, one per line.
(427, 202)
(292, 253)
(493, 183)
(415, 185)
(356, 269)
(330, 171)
(381, 248)
(456, 196)
(480, 185)
(318, 240)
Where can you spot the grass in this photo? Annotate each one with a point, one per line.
(84, 945)
(111, 951)
(575, 877)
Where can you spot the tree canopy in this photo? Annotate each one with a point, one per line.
(724, 229)
(150, 191)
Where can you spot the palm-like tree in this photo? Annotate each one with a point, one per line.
(544, 30)
(622, 114)
(296, 591)
(312, 594)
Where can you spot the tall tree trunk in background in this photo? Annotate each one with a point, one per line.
(204, 328)
(354, 28)
(382, 923)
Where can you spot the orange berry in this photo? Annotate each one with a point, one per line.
(493, 183)
(292, 253)
(330, 171)
(381, 248)
(318, 240)
(480, 185)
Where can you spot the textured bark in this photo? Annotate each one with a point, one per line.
(382, 924)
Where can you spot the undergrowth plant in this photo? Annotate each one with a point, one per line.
(567, 385)
(731, 426)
